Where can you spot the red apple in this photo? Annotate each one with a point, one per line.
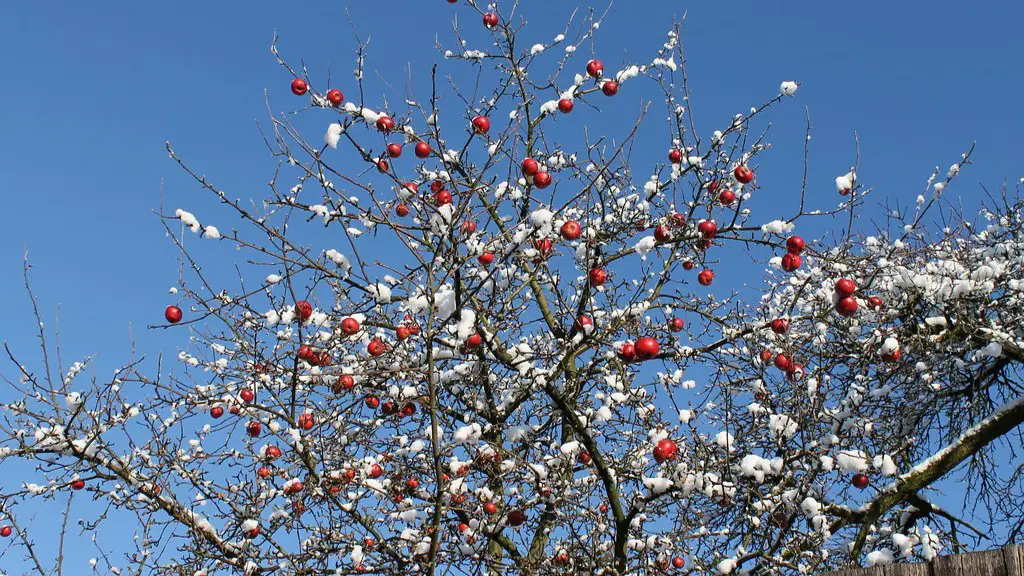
(875, 303)
(675, 156)
(581, 322)
(490, 20)
(782, 362)
(565, 105)
(743, 174)
(303, 310)
(542, 180)
(306, 421)
(247, 395)
(727, 197)
(474, 341)
(468, 227)
(402, 210)
(335, 97)
(402, 333)
(688, 265)
(481, 124)
(646, 348)
(595, 68)
(345, 382)
(412, 187)
(516, 518)
(678, 220)
(491, 508)
(665, 450)
(394, 150)
(661, 233)
(583, 457)
(598, 276)
(299, 87)
(77, 484)
(845, 287)
(766, 355)
(422, 149)
(678, 562)
(708, 229)
(571, 230)
(847, 306)
(350, 326)
(385, 124)
(627, 352)
(780, 325)
(372, 402)
(860, 481)
(216, 411)
(376, 347)
(253, 428)
(172, 314)
(676, 324)
(443, 198)
(382, 166)
(306, 353)
(530, 167)
(5, 531)
(795, 245)
(486, 258)
(705, 277)
(610, 88)
(376, 471)
(791, 261)
(795, 372)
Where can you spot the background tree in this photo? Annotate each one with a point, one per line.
(481, 339)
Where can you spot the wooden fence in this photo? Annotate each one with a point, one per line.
(1008, 561)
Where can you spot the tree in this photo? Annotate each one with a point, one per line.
(473, 351)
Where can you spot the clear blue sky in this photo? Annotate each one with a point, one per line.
(92, 91)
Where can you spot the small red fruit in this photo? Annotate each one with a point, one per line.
(402, 333)
(610, 88)
(5, 531)
(253, 428)
(422, 149)
(571, 230)
(247, 395)
(299, 87)
(646, 348)
(847, 306)
(306, 353)
(542, 180)
(675, 156)
(306, 421)
(516, 518)
(530, 167)
(795, 372)
(173, 314)
(382, 166)
(676, 324)
(77, 484)
(595, 68)
(765, 355)
(350, 326)
(628, 353)
(376, 471)
(402, 210)
(665, 450)
(474, 341)
(705, 277)
(216, 411)
(845, 287)
(372, 402)
(581, 322)
(795, 244)
(688, 265)
(598, 276)
(791, 261)
(875, 303)
(661, 233)
(481, 124)
(565, 105)
(743, 175)
(490, 19)
(708, 229)
(394, 150)
(486, 258)
(385, 124)
(272, 453)
(727, 197)
(346, 382)
(303, 310)
(780, 325)
(335, 97)
(443, 198)
(782, 362)
(376, 347)
(860, 481)
(678, 562)
(491, 508)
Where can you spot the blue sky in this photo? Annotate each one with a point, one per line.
(94, 89)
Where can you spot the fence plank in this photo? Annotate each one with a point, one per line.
(1008, 561)
(1013, 557)
(918, 569)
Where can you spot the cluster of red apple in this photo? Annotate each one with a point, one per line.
(645, 348)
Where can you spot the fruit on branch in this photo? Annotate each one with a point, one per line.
(350, 326)
(5, 531)
(688, 265)
(385, 124)
(372, 402)
(705, 277)
(299, 87)
(422, 149)
(442, 198)
(845, 287)
(303, 310)
(795, 245)
(646, 348)
(376, 471)
(847, 306)
(77, 484)
(676, 324)
(307, 421)
(306, 353)
(293, 487)
(491, 508)
(743, 174)
(675, 156)
(662, 233)
(595, 68)
(860, 481)
(791, 261)
(253, 428)
(474, 341)
(678, 562)
(247, 395)
(875, 303)
(584, 458)
(530, 167)
(727, 197)
(542, 180)
(598, 276)
(516, 518)
(627, 352)
(172, 314)
(561, 558)
(394, 150)
(335, 97)
(766, 356)
(783, 362)
(216, 412)
(708, 229)
(780, 325)
(544, 246)
(376, 347)
(345, 382)
(565, 105)
(486, 258)
(382, 166)
(481, 124)
(468, 227)
(490, 20)
(402, 210)
(272, 453)
(581, 322)
(795, 372)
(610, 88)
(665, 450)
(571, 230)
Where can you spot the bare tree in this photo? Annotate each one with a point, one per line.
(471, 349)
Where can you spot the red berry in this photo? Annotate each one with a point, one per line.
(402, 210)
(394, 150)
(595, 68)
(490, 20)
(675, 156)
(247, 395)
(610, 88)
(422, 149)
(173, 314)
(474, 341)
(665, 450)
(795, 244)
(688, 265)
(372, 402)
(303, 310)
(306, 421)
(491, 508)
(565, 105)
(385, 124)
(346, 382)
(442, 198)
(486, 258)
(860, 481)
(542, 180)
(530, 167)
(845, 287)
(847, 306)
(299, 87)
(468, 227)
(678, 562)
(646, 348)
(272, 453)
(795, 372)
(743, 174)
(5, 531)
(335, 97)
(376, 471)
(766, 355)
(581, 322)
(571, 230)
(481, 124)
(382, 165)
(705, 277)
(306, 353)
(598, 276)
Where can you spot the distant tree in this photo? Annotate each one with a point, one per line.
(477, 349)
